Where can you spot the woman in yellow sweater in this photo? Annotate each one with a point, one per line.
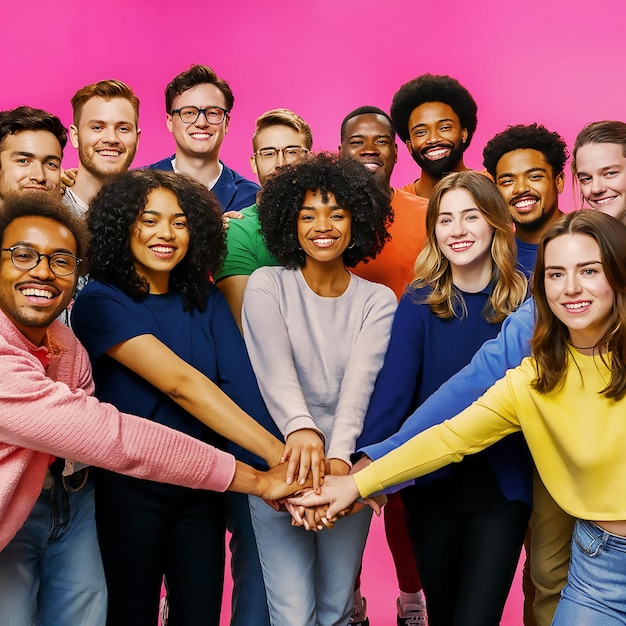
(569, 401)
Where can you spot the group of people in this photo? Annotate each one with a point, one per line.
(322, 324)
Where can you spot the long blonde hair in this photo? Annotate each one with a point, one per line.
(433, 269)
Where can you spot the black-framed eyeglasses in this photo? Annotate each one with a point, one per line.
(190, 115)
(290, 153)
(26, 258)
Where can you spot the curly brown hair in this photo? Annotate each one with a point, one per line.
(113, 213)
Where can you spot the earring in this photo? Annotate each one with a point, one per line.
(352, 244)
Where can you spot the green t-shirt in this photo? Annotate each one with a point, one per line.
(245, 248)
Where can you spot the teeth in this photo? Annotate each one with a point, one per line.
(371, 166)
(437, 153)
(323, 242)
(200, 135)
(162, 249)
(39, 293)
(605, 200)
(523, 204)
(577, 305)
(111, 153)
(461, 246)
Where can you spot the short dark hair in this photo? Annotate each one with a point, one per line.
(197, 75)
(26, 118)
(431, 88)
(107, 89)
(113, 214)
(355, 188)
(531, 137)
(367, 110)
(605, 131)
(17, 205)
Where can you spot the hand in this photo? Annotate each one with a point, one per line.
(230, 215)
(337, 467)
(363, 462)
(272, 484)
(304, 449)
(68, 178)
(338, 491)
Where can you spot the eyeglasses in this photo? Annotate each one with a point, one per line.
(290, 153)
(26, 258)
(190, 115)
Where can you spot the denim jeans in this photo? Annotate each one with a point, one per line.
(309, 577)
(595, 593)
(51, 572)
(249, 603)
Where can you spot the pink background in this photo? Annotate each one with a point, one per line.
(557, 62)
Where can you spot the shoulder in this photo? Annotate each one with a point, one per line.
(375, 293)
(405, 201)
(163, 164)
(229, 175)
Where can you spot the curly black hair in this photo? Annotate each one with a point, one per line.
(112, 217)
(16, 205)
(432, 88)
(355, 188)
(531, 137)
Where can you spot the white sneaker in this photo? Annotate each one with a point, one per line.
(412, 615)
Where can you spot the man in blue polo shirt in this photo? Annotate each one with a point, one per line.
(198, 106)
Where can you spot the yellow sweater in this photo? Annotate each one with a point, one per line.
(577, 438)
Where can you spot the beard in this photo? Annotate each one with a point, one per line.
(437, 169)
(89, 163)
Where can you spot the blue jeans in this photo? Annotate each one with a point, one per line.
(51, 572)
(595, 593)
(309, 577)
(249, 604)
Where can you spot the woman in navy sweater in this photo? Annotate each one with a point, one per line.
(466, 522)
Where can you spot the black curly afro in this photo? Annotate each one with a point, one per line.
(432, 88)
(113, 214)
(355, 188)
(531, 137)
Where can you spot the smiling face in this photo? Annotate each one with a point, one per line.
(324, 229)
(436, 138)
(577, 290)
(463, 234)
(106, 136)
(278, 137)
(199, 139)
(370, 139)
(160, 239)
(30, 160)
(33, 299)
(530, 188)
(601, 173)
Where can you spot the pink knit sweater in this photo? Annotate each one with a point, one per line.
(48, 413)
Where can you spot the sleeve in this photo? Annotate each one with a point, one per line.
(235, 375)
(395, 389)
(267, 339)
(489, 364)
(101, 319)
(366, 359)
(241, 258)
(41, 414)
(492, 417)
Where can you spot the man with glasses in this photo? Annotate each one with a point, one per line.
(280, 137)
(198, 106)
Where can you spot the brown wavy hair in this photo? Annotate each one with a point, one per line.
(550, 344)
(433, 269)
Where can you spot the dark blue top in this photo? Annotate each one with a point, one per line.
(424, 352)
(210, 341)
(526, 256)
(233, 191)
